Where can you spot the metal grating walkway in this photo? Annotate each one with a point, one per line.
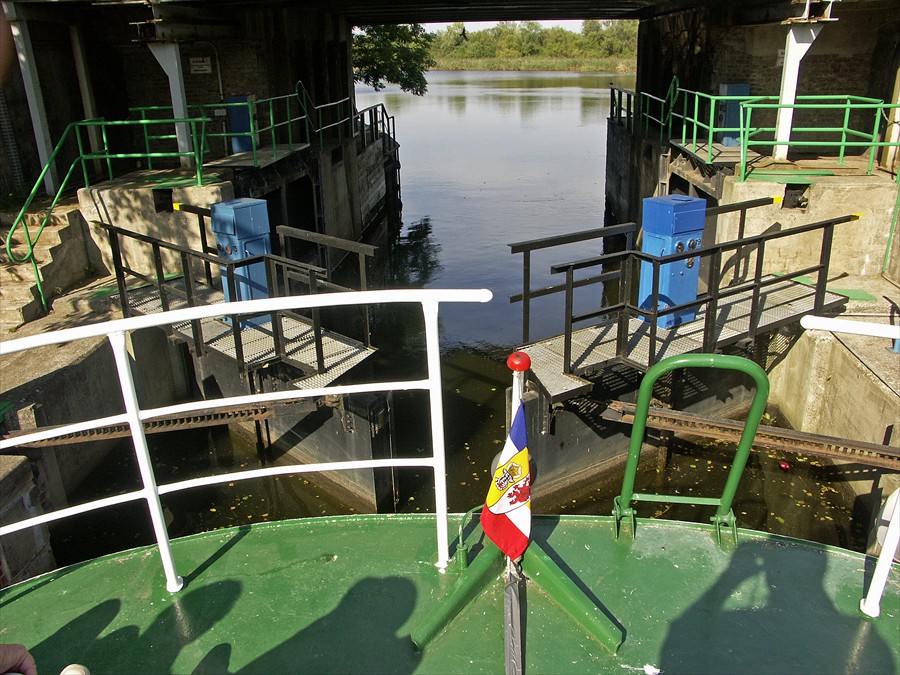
(341, 352)
(595, 346)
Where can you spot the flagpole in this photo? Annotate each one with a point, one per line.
(518, 363)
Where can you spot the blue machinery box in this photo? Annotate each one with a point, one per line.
(672, 224)
(241, 227)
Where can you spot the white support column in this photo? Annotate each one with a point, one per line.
(88, 103)
(33, 93)
(168, 54)
(799, 39)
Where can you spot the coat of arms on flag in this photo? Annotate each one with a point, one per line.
(506, 516)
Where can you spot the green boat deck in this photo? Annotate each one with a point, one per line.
(343, 595)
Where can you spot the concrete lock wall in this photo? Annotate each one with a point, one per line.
(818, 388)
(371, 180)
(50, 392)
(311, 432)
(133, 207)
(27, 553)
(858, 247)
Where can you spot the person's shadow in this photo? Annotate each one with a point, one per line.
(766, 614)
(358, 636)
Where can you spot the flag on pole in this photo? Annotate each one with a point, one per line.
(506, 516)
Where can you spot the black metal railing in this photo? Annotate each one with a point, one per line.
(284, 277)
(626, 308)
(526, 247)
(325, 245)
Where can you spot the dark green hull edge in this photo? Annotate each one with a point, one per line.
(343, 595)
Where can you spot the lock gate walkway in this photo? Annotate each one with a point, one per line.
(595, 346)
(257, 342)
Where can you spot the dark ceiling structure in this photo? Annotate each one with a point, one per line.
(434, 11)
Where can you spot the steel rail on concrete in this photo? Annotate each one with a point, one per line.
(174, 422)
(788, 440)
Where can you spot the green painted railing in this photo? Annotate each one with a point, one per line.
(328, 120)
(724, 515)
(75, 133)
(840, 135)
(698, 115)
(276, 121)
(288, 120)
(699, 118)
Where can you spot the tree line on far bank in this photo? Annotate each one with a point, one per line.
(401, 54)
(512, 40)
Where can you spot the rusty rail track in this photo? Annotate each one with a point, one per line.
(201, 418)
(788, 440)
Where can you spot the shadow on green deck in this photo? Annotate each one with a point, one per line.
(343, 594)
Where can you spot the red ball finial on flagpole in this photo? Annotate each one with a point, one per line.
(519, 362)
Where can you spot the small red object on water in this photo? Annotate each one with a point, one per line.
(784, 466)
(519, 361)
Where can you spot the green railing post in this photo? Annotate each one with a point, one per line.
(696, 119)
(80, 142)
(290, 123)
(106, 151)
(844, 131)
(745, 138)
(198, 150)
(873, 147)
(251, 111)
(724, 515)
(145, 130)
(272, 128)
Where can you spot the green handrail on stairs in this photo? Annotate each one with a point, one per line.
(724, 515)
(82, 157)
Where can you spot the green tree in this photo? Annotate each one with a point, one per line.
(395, 54)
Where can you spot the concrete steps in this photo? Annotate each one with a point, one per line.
(62, 260)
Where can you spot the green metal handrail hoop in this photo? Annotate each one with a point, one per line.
(724, 515)
(83, 157)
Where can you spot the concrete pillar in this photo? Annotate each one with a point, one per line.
(88, 102)
(799, 39)
(35, 96)
(168, 54)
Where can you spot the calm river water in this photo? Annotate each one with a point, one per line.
(488, 159)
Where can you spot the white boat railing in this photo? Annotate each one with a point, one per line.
(117, 331)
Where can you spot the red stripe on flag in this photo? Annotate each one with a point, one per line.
(503, 532)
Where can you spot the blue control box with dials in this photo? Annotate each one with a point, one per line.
(672, 224)
(241, 227)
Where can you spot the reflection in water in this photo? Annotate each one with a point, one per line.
(414, 257)
(494, 158)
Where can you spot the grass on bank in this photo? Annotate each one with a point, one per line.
(580, 65)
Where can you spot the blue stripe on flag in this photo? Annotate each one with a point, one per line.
(517, 431)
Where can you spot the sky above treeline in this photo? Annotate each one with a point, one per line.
(574, 26)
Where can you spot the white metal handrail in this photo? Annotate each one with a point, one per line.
(116, 332)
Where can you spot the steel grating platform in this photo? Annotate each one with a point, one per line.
(341, 353)
(595, 346)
